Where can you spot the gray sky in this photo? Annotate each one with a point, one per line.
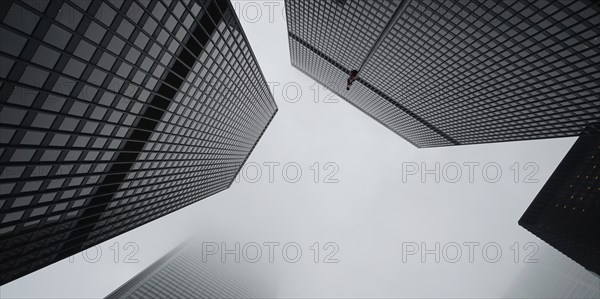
(372, 215)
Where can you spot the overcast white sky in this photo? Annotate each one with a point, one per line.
(372, 213)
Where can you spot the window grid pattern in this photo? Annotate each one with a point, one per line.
(489, 71)
(362, 97)
(472, 71)
(131, 89)
(345, 31)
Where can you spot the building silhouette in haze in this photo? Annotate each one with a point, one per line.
(186, 273)
(565, 212)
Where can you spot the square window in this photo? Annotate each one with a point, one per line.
(122, 132)
(74, 68)
(97, 77)
(5, 66)
(23, 201)
(78, 109)
(68, 193)
(133, 55)
(69, 124)
(33, 138)
(72, 156)
(43, 120)
(60, 207)
(64, 86)
(31, 186)
(81, 141)
(106, 61)
(154, 50)
(106, 14)
(150, 26)
(50, 155)
(159, 10)
(107, 98)
(146, 64)
(116, 45)
(130, 91)
(69, 16)
(57, 37)
(90, 127)
(47, 197)
(124, 70)
(59, 140)
(12, 172)
(22, 155)
(125, 29)
(99, 143)
(163, 37)
(91, 156)
(34, 76)
(95, 32)
(22, 96)
(141, 40)
(115, 116)
(139, 77)
(116, 84)
(88, 93)
(45, 57)
(14, 216)
(21, 19)
(171, 22)
(107, 130)
(85, 50)
(11, 116)
(135, 12)
(53, 103)
(78, 203)
(38, 211)
(98, 113)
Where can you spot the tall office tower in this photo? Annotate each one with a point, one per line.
(187, 272)
(115, 113)
(442, 73)
(565, 212)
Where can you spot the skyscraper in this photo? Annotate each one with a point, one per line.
(115, 113)
(442, 73)
(185, 273)
(565, 212)
(552, 275)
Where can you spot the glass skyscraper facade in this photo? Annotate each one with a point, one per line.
(115, 113)
(186, 272)
(552, 275)
(565, 212)
(442, 73)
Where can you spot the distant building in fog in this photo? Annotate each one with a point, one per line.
(554, 276)
(183, 274)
